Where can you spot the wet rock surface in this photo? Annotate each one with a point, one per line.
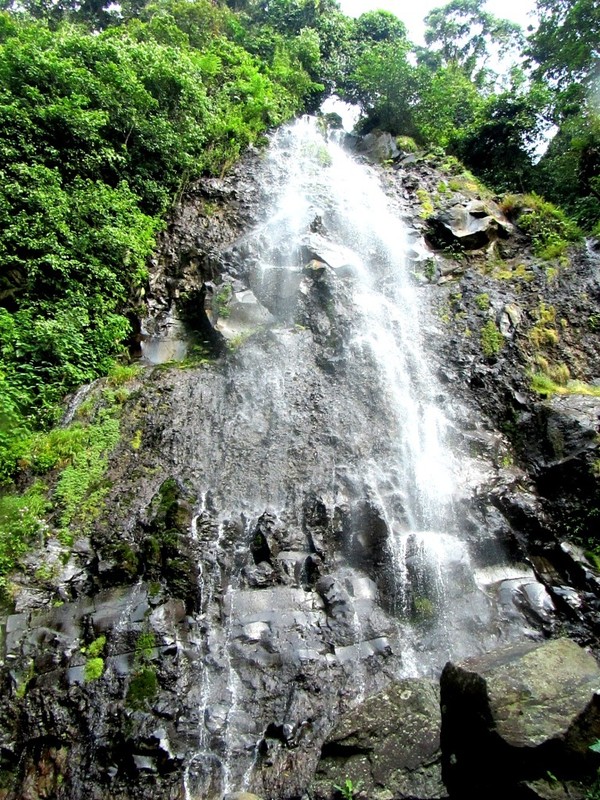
(389, 747)
(242, 571)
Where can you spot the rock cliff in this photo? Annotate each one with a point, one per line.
(272, 548)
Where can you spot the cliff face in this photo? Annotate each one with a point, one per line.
(347, 481)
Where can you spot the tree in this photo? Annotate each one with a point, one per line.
(566, 45)
(446, 104)
(564, 53)
(378, 26)
(383, 82)
(463, 34)
(499, 144)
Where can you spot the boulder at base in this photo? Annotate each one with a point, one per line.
(388, 747)
(519, 722)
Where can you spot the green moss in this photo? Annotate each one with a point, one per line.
(491, 339)
(126, 558)
(482, 301)
(506, 272)
(423, 609)
(144, 646)
(136, 441)
(24, 680)
(143, 686)
(93, 669)
(426, 203)
(96, 647)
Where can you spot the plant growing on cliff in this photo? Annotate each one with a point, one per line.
(222, 299)
(348, 789)
(426, 203)
(491, 339)
(551, 231)
(482, 301)
(544, 333)
(94, 665)
(143, 685)
(22, 522)
(543, 384)
(93, 669)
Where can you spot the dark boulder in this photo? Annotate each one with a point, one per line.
(471, 226)
(513, 717)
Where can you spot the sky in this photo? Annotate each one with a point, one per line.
(412, 12)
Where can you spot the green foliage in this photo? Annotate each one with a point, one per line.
(120, 374)
(499, 137)
(462, 32)
(81, 487)
(379, 26)
(383, 83)
(96, 647)
(593, 793)
(491, 339)
(93, 669)
(543, 333)
(595, 746)
(142, 688)
(426, 203)
(222, 299)
(21, 523)
(550, 229)
(406, 144)
(423, 609)
(482, 301)
(348, 789)
(543, 384)
(99, 134)
(144, 646)
(565, 43)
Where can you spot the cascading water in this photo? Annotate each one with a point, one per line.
(334, 470)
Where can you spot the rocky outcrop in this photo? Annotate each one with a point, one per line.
(519, 718)
(254, 568)
(470, 226)
(388, 747)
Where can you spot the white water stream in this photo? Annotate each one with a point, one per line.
(315, 178)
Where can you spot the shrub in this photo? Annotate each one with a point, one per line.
(550, 229)
(406, 144)
(21, 522)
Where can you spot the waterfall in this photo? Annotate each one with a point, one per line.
(334, 462)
